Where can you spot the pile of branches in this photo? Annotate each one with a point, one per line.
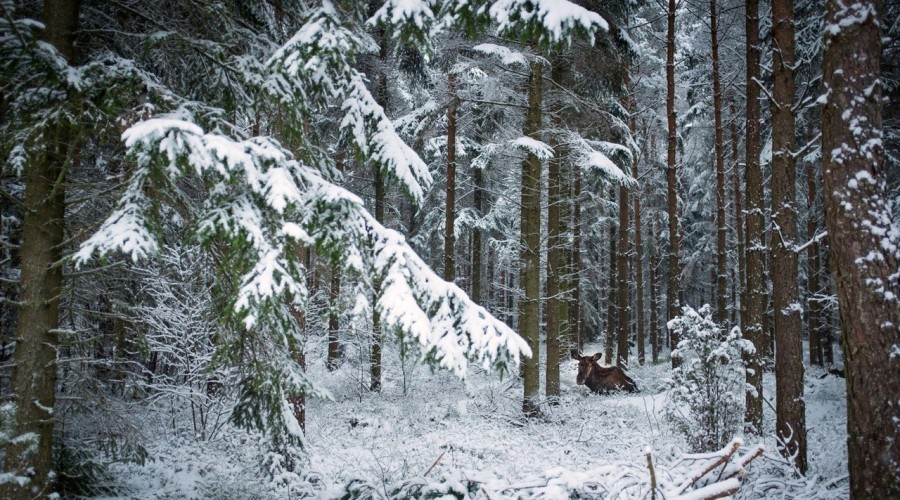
(703, 476)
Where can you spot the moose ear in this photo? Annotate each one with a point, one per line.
(575, 355)
(596, 357)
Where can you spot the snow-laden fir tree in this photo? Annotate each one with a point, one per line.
(706, 400)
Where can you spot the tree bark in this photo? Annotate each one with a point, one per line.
(721, 250)
(381, 96)
(756, 286)
(865, 253)
(812, 271)
(623, 295)
(612, 297)
(654, 296)
(450, 212)
(638, 260)
(40, 285)
(555, 256)
(575, 300)
(530, 251)
(790, 414)
(477, 238)
(674, 283)
(738, 218)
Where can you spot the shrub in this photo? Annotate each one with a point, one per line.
(707, 399)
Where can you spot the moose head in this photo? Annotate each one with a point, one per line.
(601, 379)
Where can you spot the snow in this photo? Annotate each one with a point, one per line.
(534, 147)
(557, 18)
(598, 161)
(404, 13)
(592, 444)
(506, 55)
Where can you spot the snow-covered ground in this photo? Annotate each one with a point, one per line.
(443, 426)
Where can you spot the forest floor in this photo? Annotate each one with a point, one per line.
(433, 423)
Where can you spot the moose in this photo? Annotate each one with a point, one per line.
(601, 379)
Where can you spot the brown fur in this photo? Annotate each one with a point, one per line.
(601, 379)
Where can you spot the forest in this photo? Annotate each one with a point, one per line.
(541, 249)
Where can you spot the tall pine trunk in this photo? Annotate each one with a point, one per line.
(530, 249)
(612, 300)
(623, 293)
(477, 236)
(555, 256)
(721, 250)
(654, 296)
(674, 270)
(638, 258)
(450, 212)
(756, 292)
(790, 414)
(812, 271)
(865, 254)
(738, 218)
(30, 453)
(577, 330)
(381, 97)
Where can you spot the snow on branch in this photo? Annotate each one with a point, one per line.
(264, 204)
(129, 229)
(554, 21)
(315, 69)
(599, 162)
(409, 20)
(506, 55)
(593, 156)
(376, 138)
(533, 146)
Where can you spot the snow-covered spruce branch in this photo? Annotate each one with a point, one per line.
(316, 69)
(280, 203)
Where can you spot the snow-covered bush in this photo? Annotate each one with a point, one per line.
(707, 397)
(177, 329)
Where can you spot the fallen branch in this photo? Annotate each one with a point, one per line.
(436, 460)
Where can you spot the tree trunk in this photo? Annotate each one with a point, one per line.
(575, 307)
(530, 240)
(790, 415)
(623, 295)
(30, 454)
(738, 219)
(756, 286)
(654, 296)
(638, 262)
(555, 256)
(334, 314)
(334, 319)
(450, 213)
(612, 295)
(812, 271)
(721, 250)
(380, 186)
(674, 284)
(865, 253)
(477, 242)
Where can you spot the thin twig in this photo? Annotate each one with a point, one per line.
(438, 459)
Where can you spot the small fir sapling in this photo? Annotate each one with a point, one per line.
(706, 404)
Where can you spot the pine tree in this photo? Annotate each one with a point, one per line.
(865, 244)
(721, 250)
(673, 287)
(756, 294)
(34, 377)
(790, 407)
